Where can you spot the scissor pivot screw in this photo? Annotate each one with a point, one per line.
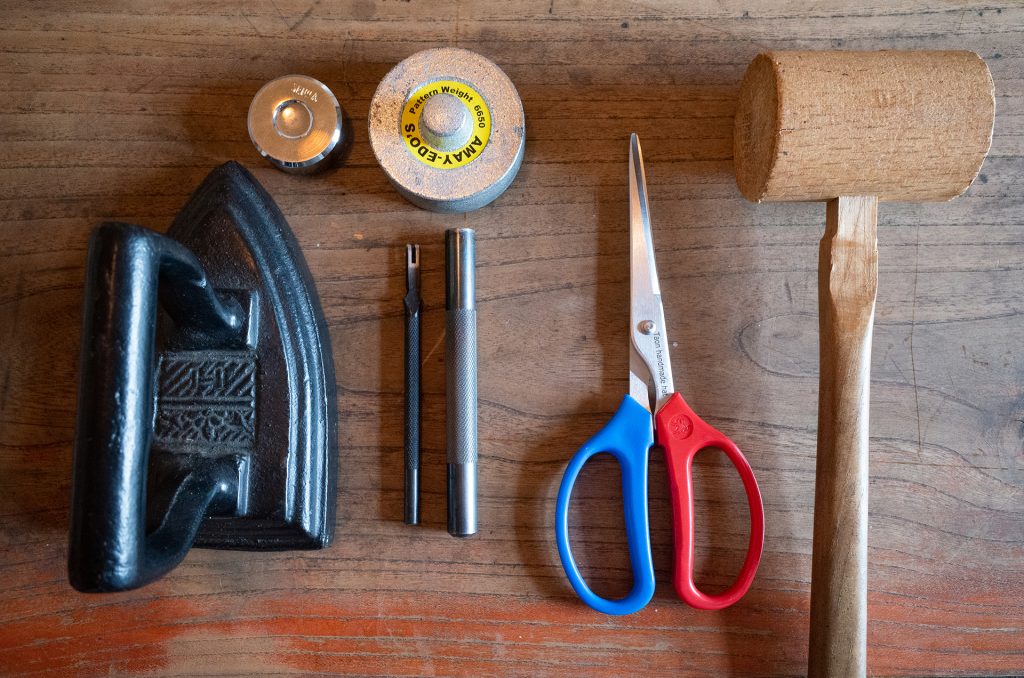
(647, 327)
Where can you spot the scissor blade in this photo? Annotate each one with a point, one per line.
(650, 372)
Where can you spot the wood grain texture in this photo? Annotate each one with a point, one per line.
(901, 125)
(847, 283)
(117, 111)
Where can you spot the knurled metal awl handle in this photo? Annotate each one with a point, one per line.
(461, 386)
(461, 389)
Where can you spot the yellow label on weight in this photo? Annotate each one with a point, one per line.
(479, 114)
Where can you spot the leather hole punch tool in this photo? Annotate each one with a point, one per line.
(206, 409)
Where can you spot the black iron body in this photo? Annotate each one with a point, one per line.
(208, 418)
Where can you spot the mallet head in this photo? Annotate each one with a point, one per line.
(912, 126)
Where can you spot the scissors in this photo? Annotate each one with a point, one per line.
(633, 429)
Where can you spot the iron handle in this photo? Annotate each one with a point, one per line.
(127, 268)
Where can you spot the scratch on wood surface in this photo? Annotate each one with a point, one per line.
(458, 8)
(305, 15)
(277, 9)
(913, 364)
(898, 369)
(252, 25)
(5, 386)
(665, 13)
(143, 86)
(433, 349)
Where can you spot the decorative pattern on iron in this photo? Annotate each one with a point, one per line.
(207, 399)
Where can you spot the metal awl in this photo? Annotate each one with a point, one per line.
(412, 384)
(461, 378)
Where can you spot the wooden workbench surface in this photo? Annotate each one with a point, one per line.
(113, 111)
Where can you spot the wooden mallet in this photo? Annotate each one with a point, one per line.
(853, 128)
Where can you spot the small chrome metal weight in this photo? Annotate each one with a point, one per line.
(448, 129)
(296, 123)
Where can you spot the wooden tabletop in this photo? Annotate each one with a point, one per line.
(115, 111)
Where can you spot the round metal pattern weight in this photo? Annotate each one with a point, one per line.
(448, 129)
(297, 124)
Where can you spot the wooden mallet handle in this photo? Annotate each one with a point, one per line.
(847, 280)
(853, 128)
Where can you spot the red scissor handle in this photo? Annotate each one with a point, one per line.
(683, 434)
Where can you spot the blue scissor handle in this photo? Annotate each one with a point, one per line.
(628, 437)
